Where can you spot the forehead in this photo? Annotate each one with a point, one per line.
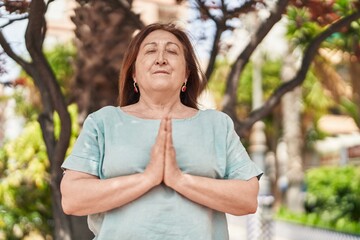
(161, 37)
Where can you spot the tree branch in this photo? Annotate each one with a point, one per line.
(9, 51)
(203, 8)
(232, 80)
(245, 8)
(10, 21)
(221, 26)
(309, 55)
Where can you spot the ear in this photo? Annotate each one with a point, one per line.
(187, 74)
(133, 73)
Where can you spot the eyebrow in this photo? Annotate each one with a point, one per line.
(167, 43)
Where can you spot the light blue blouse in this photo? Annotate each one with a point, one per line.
(113, 143)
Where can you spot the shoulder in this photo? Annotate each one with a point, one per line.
(102, 116)
(215, 115)
(104, 113)
(217, 118)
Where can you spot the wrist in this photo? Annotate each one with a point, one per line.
(177, 181)
(150, 180)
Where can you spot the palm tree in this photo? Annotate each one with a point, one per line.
(103, 32)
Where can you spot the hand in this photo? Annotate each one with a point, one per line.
(172, 172)
(155, 169)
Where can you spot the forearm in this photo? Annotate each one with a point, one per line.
(236, 197)
(88, 195)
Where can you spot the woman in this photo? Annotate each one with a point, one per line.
(157, 167)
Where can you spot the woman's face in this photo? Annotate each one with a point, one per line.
(160, 64)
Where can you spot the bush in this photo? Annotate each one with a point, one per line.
(25, 199)
(332, 199)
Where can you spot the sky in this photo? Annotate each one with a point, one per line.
(15, 35)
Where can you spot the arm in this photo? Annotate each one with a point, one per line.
(237, 197)
(84, 194)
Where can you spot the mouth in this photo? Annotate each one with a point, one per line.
(161, 72)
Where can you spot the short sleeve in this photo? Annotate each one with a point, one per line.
(87, 153)
(238, 164)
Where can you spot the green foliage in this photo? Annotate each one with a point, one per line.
(25, 204)
(315, 104)
(301, 30)
(350, 108)
(28, 103)
(332, 200)
(218, 80)
(61, 59)
(24, 189)
(344, 7)
(22, 97)
(271, 80)
(315, 100)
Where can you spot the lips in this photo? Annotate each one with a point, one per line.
(161, 72)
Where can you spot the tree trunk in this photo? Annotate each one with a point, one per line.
(291, 106)
(103, 32)
(52, 101)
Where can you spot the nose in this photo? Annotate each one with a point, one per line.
(160, 60)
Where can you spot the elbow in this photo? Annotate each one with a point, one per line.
(68, 202)
(65, 207)
(245, 209)
(253, 207)
(69, 207)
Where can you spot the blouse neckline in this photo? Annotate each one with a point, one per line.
(196, 115)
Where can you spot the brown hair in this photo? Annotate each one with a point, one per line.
(196, 77)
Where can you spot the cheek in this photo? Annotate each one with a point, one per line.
(183, 72)
(140, 66)
(145, 61)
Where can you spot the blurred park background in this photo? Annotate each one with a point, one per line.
(286, 71)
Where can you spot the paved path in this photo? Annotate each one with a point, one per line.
(237, 229)
(285, 231)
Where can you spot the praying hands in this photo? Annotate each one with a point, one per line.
(163, 166)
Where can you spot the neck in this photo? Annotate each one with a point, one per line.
(161, 106)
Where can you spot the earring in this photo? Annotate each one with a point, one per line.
(183, 88)
(136, 90)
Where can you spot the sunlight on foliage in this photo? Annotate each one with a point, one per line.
(301, 29)
(332, 200)
(25, 205)
(61, 57)
(351, 109)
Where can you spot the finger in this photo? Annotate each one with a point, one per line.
(169, 140)
(162, 131)
(169, 125)
(160, 141)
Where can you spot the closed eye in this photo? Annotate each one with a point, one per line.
(172, 51)
(150, 51)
